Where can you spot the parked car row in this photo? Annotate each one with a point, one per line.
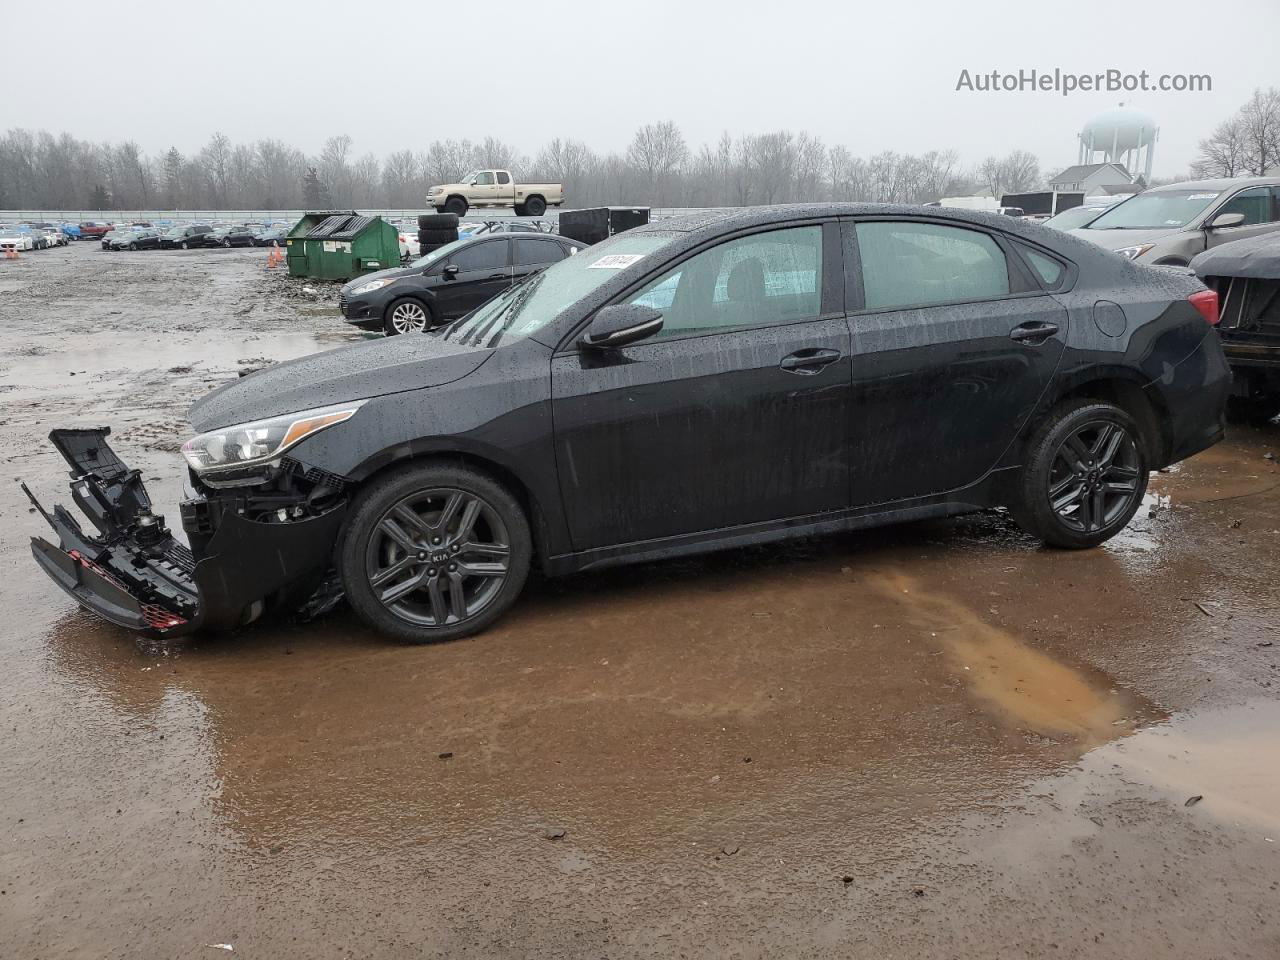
(31, 236)
(193, 236)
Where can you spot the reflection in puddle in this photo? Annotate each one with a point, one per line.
(1230, 758)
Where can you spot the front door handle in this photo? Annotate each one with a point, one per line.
(498, 276)
(810, 361)
(1036, 332)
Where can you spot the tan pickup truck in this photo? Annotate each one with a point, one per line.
(495, 188)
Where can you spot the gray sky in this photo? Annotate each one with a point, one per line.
(871, 76)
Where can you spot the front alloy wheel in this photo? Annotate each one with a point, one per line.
(434, 551)
(406, 316)
(438, 557)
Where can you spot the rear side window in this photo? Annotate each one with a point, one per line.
(529, 253)
(504, 177)
(1049, 270)
(483, 256)
(915, 264)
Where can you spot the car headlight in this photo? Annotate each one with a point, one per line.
(262, 441)
(1134, 252)
(371, 286)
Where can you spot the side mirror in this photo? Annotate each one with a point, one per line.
(1226, 220)
(620, 324)
(450, 271)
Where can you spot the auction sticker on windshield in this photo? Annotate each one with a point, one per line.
(616, 261)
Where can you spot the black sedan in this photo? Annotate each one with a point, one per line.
(705, 382)
(240, 235)
(448, 282)
(144, 239)
(185, 238)
(271, 235)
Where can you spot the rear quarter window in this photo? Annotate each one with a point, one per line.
(1049, 270)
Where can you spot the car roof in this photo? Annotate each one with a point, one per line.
(716, 221)
(1218, 184)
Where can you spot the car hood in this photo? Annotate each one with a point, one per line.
(390, 273)
(1119, 239)
(373, 368)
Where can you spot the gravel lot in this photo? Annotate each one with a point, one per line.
(937, 740)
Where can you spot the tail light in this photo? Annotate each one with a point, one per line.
(1206, 301)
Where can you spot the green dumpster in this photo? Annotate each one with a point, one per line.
(339, 245)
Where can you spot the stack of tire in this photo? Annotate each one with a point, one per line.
(435, 230)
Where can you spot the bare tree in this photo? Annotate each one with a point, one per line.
(657, 151)
(401, 183)
(1260, 129)
(1222, 153)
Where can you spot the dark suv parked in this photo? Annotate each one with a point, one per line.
(711, 381)
(448, 282)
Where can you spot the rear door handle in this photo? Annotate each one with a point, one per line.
(498, 276)
(1033, 333)
(810, 361)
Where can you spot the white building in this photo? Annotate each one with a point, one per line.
(1091, 179)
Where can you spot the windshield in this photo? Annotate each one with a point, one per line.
(529, 306)
(1075, 217)
(1158, 210)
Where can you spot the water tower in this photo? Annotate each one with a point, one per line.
(1120, 135)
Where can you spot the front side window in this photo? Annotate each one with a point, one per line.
(915, 264)
(536, 253)
(484, 179)
(1254, 203)
(757, 281)
(482, 256)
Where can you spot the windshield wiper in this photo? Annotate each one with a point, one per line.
(511, 310)
(459, 326)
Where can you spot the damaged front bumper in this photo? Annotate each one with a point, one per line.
(265, 548)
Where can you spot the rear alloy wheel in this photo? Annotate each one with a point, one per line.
(434, 552)
(536, 206)
(1085, 476)
(185, 245)
(226, 243)
(133, 246)
(406, 316)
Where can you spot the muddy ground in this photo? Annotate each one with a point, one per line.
(938, 740)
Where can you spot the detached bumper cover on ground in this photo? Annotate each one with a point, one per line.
(250, 549)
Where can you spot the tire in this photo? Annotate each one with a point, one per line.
(536, 206)
(456, 205)
(519, 210)
(437, 236)
(437, 221)
(227, 244)
(133, 246)
(406, 315)
(185, 245)
(1079, 458)
(445, 604)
